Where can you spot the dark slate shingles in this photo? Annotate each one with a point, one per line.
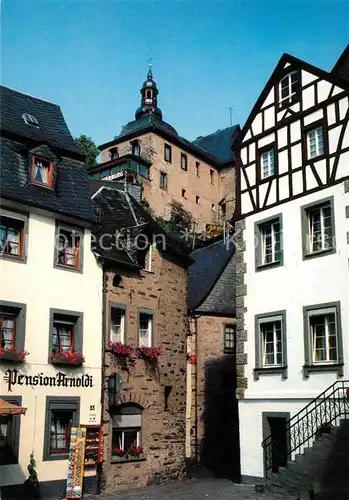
(219, 144)
(209, 264)
(52, 126)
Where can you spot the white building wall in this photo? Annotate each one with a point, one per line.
(295, 284)
(41, 286)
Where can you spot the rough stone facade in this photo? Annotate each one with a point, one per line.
(207, 211)
(163, 291)
(241, 292)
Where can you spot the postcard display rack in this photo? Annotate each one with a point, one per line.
(93, 444)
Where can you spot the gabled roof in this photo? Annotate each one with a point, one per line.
(70, 193)
(341, 68)
(116, 212)
(211, 279)
(52, 127)
(151, 123)
(286, 58)
(219, 143)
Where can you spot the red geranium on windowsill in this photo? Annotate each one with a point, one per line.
(119, 349)
(151, 354)
(191, 358)
(13, 354)
(67, 358)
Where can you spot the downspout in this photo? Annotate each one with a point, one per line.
(196, 392)
(104, 309)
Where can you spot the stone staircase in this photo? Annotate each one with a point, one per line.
(318, 455)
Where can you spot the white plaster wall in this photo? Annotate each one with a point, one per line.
(296, 284)
(41, 286)
(251, 429)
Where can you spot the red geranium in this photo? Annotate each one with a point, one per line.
(191, 358)
(19, 353)
(69, 356)
(149, 353)
(120, 349)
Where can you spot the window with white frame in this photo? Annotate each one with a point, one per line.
(318, 228)
(323, 340)
(269, 239)
(267, 163)
(145, 329)
(126, 433)
(229, 338)
(315, 142)
(117, 324)
(288, 88)
(271, 340)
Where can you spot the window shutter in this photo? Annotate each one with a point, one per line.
(258, 341)
(307, 341)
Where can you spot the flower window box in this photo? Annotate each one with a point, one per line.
(149, 354)
(13, 355)
(67, 358)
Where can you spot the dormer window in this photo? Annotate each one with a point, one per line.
(136, 148)
(30, 120)
(41, 172)
(288, 88)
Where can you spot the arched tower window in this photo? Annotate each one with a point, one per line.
(148, 94)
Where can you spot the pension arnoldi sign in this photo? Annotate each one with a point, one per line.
(14, 377)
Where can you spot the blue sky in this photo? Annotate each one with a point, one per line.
(90, 57)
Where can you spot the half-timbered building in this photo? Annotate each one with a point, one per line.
(292, 259)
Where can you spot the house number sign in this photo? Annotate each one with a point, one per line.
(13, 377)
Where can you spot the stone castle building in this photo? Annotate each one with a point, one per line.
(150, 152)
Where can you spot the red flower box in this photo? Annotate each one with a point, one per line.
(150, 354)
(13, 355)
(191, 358)
(136, 452)
(67, 358)
(120, 349)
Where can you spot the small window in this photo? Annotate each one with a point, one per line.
(323, 339)
(167, 153)
(184, 161)
(148, 94)
(117, 281)
(318, 228)
(136, 148)
(269, 238)
(315, 142)
(184, 193)
(271, 341)
(267, 163)
(288, 88)
(9, 434)
(68, 248)
(113, 153)
(66, 334)
(163, 181)
(229, 339)
(126, 432)
(12, 236)
(197, 166)
(143, 252)
(61, 414)
(212, 176)
(30, 120)
(41, 172)
(12, 326)
(117, 324)
(145, 329)
(197, 200)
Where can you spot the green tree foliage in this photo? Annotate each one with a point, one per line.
(89, 148)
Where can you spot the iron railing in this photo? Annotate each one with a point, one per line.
(303, 428)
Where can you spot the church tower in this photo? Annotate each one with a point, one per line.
(149, 93)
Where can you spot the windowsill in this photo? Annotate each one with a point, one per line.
(67, 268)
(330, 367)
(11, 357)
(270, 371)
(42, 185)
(316, 158)
(267, 179)
(118, 460)
(66, 362)
(147, 272)
(13, 258)
(58, 456)
(286, 104)
(270, 265)
(319, 253)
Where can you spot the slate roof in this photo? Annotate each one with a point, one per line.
(219, 144)
(151, 123)
(52, 126)
(70, 193)
(211, 280)
(117, 211)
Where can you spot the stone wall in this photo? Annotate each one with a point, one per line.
(164, 291)
(241, 291)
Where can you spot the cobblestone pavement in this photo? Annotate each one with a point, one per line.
(210, 489)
